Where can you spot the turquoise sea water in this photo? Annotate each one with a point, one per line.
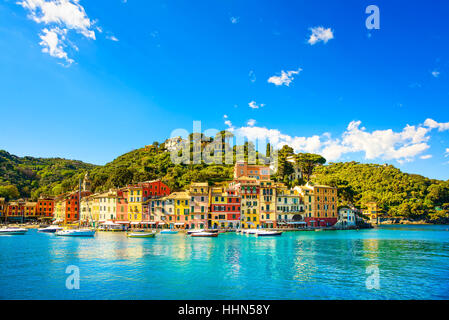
(413, 263)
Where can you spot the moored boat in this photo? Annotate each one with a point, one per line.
(169, 231)
(50, 229)
(76, 233)
(13, 231)
(195, 231)
(263, 233)
(141, 234)
(204, 234)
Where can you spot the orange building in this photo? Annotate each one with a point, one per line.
(320, 204)
(45, 208)
(258, 172)
(15, 211)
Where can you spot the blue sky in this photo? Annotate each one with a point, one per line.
(91, 80)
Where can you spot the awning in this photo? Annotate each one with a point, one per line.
(148, 222)
(109, 223)
(135, 222)
(179, 223)
(162, 222)
(122, 222)
(296, 222)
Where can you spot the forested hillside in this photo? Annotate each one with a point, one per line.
(29, 177)
(398, 193)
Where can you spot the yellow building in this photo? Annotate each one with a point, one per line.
(29, 209)
(60, 208)
(372, 211)
(135, 203)
(320, 204)
(248, 188)
(267, 203)
(182, 208)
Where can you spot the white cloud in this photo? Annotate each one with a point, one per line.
(446, 154)
(112, 38)
(320, 34)
(426, 156)
(432, 124)
(60, 16)
(253, 105)
(285, 78)
(402, 146)
(435, 73)
(234, 20)
(252, 76)
(251, 122)
(225, 116)
(53, 43)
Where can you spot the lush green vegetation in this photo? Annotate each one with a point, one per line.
(398, 194)
(29, 177)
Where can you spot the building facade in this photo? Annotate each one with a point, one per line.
(258, 172)
(289, 207)
(320, 203)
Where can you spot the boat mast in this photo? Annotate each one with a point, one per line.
(79, 204)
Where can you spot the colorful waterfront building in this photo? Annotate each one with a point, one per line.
(107, 210)
(45, 208)
(29, 210)
(248, 189)
(320, 204)
(199, 205)
(86, 209)
(258, 172)
(153, 189)
(372, 211)
(135, 201)
(2, 208)
(347, 217)
(267, 203)
(122, 206)
(153, 212)
(224, 207)
(289, 207)
(59, 211)
(15, 211)
(182, 209)
(168, 211)
(67, 206)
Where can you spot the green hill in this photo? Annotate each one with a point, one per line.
(398, 193)
(29, 177)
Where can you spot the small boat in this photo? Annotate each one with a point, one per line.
(76, 233)
(251, 231)
(195, 231)
(50, 229)
(204, 234)
(263, 233)
(13, 231)
(169, 231)
(319, 230)
(141, 234)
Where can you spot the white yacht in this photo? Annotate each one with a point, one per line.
(76, 233)
(50, 229)
(195, 231)
(12, 231)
